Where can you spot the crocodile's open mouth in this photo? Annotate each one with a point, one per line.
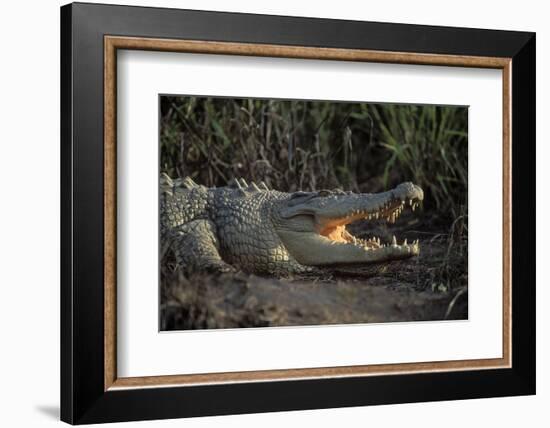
(335, 229)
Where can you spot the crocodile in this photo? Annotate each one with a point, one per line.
(252, 228)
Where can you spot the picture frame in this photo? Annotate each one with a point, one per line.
(91, 391)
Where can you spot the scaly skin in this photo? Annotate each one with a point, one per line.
(258, 230)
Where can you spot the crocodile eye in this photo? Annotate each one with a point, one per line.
(300, 194)
(323, 193)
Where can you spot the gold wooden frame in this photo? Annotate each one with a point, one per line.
(113, 43)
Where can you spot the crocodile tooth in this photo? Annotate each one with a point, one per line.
(405, 241)
(393, 241)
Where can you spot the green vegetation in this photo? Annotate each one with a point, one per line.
(308, 145)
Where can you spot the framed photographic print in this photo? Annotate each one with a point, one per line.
(265, 213)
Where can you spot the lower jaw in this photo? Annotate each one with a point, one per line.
(360, 251)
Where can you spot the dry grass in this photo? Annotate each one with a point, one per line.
(306, 145)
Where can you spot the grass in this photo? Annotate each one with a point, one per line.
(307, 145)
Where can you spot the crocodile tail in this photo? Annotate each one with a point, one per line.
(181, 201)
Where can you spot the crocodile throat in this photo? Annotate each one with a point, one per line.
(335, 229)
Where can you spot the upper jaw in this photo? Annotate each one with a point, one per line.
(387, 205)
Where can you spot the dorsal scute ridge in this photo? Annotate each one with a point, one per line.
(169, 185)
(241, 184)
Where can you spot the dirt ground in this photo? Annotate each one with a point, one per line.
(432, 286)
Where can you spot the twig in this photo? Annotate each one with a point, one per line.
(452, 304)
